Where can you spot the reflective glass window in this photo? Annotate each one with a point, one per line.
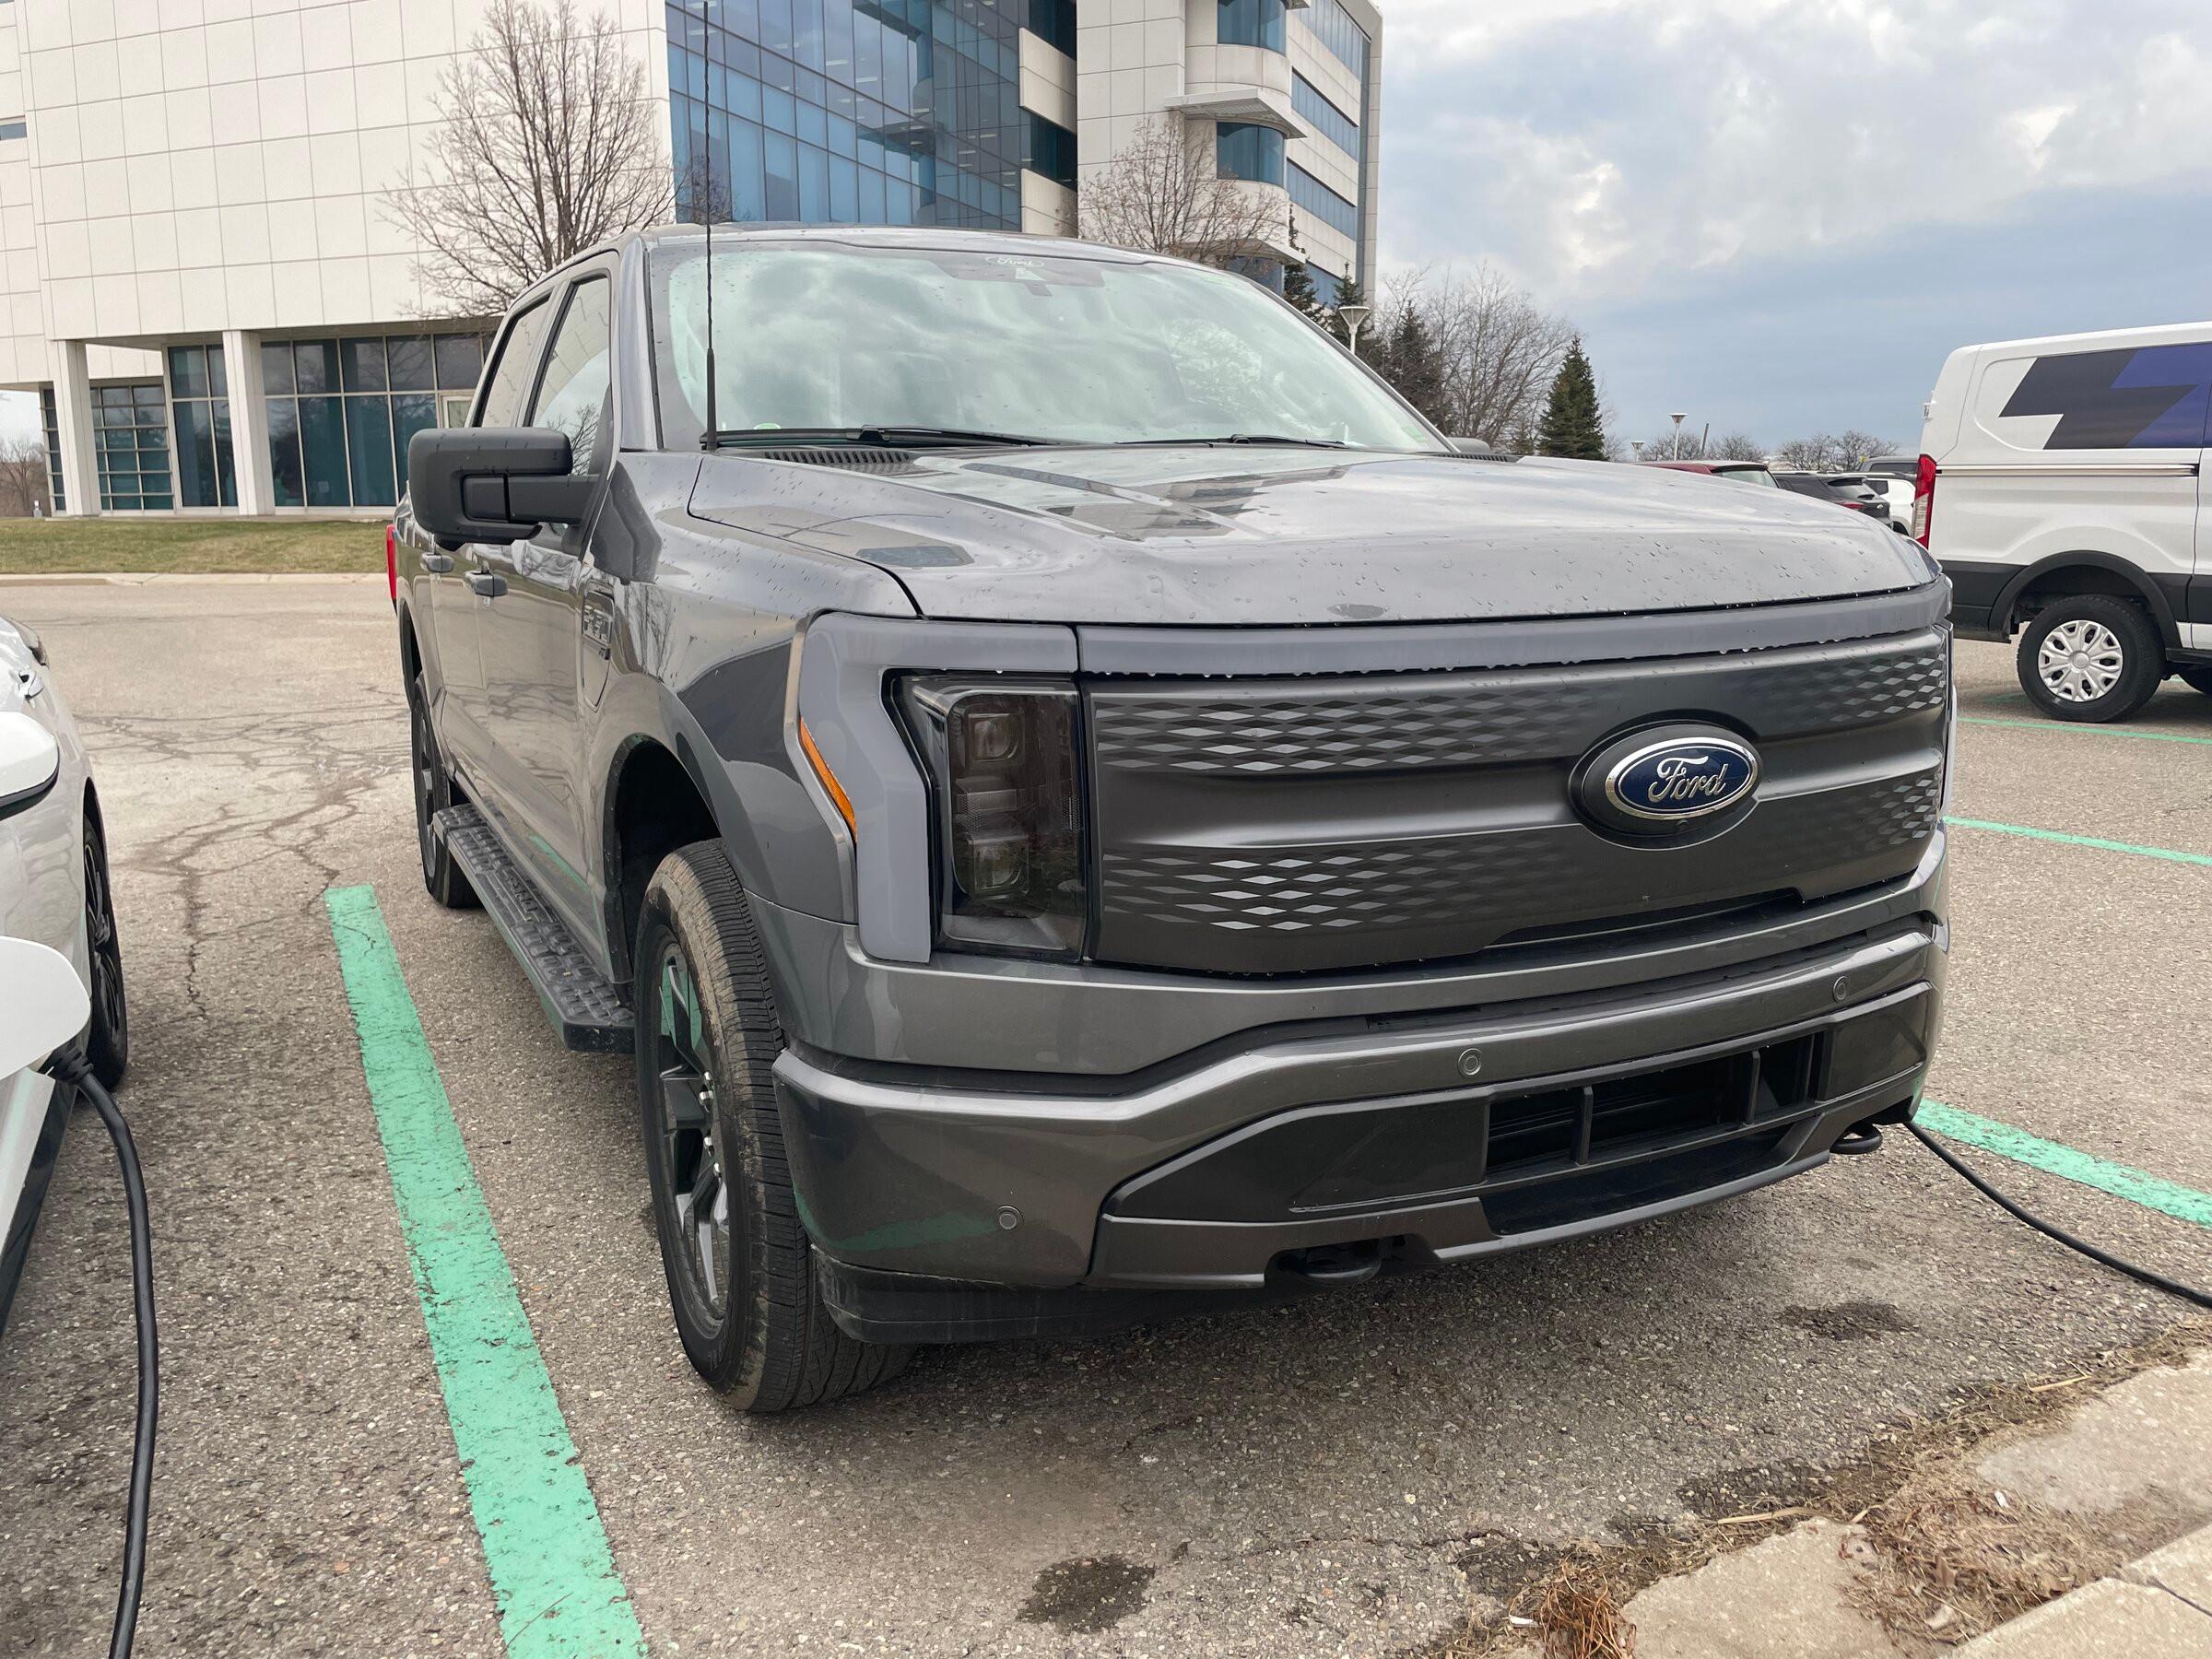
(571, 394)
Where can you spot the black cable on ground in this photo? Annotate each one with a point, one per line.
(2157, 1282)
(73, 1070)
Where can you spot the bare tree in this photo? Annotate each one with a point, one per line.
(1164, 194)
(1832, 451)
(1498, 352)
(22, 476)
(1738, 446)
(550, 145)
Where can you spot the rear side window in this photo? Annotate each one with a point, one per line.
(571, 394)
(511, 381)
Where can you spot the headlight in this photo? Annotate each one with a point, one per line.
(1004, 758)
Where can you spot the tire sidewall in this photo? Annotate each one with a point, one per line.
(107, 1043)
(729, 1352)
(2143, 658)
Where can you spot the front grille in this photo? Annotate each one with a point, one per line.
(1295, 826)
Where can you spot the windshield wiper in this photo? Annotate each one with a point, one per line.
(1255, 438)
(878, 437)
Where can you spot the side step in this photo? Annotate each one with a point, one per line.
(581, 1002)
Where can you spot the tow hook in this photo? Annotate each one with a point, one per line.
(1858, 1140)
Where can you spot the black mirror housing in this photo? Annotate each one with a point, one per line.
(493, 483)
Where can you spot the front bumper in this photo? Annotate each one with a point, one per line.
(1326, 1151)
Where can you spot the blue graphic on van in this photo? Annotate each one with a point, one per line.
(2153, 398)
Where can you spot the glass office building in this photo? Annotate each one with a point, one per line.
(849, 111)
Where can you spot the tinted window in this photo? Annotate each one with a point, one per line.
(572, 395)
(510, 382)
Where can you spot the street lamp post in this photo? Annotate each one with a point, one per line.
(1352, 316)
(1678, 420)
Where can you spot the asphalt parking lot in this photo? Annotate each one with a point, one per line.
(1336, 1477)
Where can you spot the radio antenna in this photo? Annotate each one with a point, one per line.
(711, 438)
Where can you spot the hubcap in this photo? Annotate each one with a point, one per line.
(698, 1191)
(2081, 661)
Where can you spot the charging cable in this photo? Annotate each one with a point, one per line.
(2157, 1282)
(71, 1068)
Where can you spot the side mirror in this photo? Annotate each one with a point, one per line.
(1476, 446)
(29, 762)
(45, 1002)
(493, 483)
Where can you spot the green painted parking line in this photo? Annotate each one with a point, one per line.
(2064, 725)
(552, 1572)
(2153, 1192)
(2081, 840)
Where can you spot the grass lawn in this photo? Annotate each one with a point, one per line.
(200, 547)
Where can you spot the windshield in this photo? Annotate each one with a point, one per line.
(1747, 474)
(1060, 346)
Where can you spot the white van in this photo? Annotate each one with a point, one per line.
(2058, 487)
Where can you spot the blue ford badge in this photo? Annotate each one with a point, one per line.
(1681, 778)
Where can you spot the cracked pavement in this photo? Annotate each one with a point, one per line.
(1340, 1475)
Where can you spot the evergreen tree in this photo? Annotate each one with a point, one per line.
(1297, 287)
(1410, 362)
(1572, 426)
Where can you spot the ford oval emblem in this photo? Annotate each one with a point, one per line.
(1680, 777)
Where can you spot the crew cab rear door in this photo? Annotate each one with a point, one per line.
(531, 632)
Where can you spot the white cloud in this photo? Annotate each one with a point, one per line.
(1602, 147)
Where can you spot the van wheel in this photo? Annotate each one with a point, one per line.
(741, 1274)
(2091, 657)
(2196, 678)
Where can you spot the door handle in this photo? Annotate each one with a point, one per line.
(488, 584)
(438, 564)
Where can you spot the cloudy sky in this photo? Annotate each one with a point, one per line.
(1780, 215)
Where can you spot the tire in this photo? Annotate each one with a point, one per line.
(741, 1279)
(433, 789)
(2196, 678)
(2116, 662)
(108, 1039)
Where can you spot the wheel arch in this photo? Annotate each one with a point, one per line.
(2084, 572)
(655, 803)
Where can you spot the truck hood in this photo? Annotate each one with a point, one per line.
(1255, 537)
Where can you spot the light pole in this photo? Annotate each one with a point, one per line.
(1352, 316)
(1678, 420)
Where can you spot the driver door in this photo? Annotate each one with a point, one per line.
(532, 633)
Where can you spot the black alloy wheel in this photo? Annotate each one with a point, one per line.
(442, 877)
(108, 1046)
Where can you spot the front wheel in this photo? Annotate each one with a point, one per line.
(741, 1274)
(108, 1042)
(2091, 657)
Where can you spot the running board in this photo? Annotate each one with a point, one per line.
(582, 1003)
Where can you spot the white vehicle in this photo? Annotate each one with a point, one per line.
(53, 894)
(2058, 485)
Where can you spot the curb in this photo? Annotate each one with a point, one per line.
(169, 578)
(2158, 1607)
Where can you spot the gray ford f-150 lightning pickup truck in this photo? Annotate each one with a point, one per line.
(1082, 803)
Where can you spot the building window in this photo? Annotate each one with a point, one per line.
(1334, 28)
(14, 129)
(848, 112)
(1251, 23)
(1242, 151)
(199, 395)
(54, 446)
(341, 411)
(131, 436)
(1322, 202)
(1051, 150)
(1328, 289)
(1267, 272)
(1329, 120)
(1054, 22)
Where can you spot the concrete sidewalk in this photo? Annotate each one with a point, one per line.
(2127, 1475)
